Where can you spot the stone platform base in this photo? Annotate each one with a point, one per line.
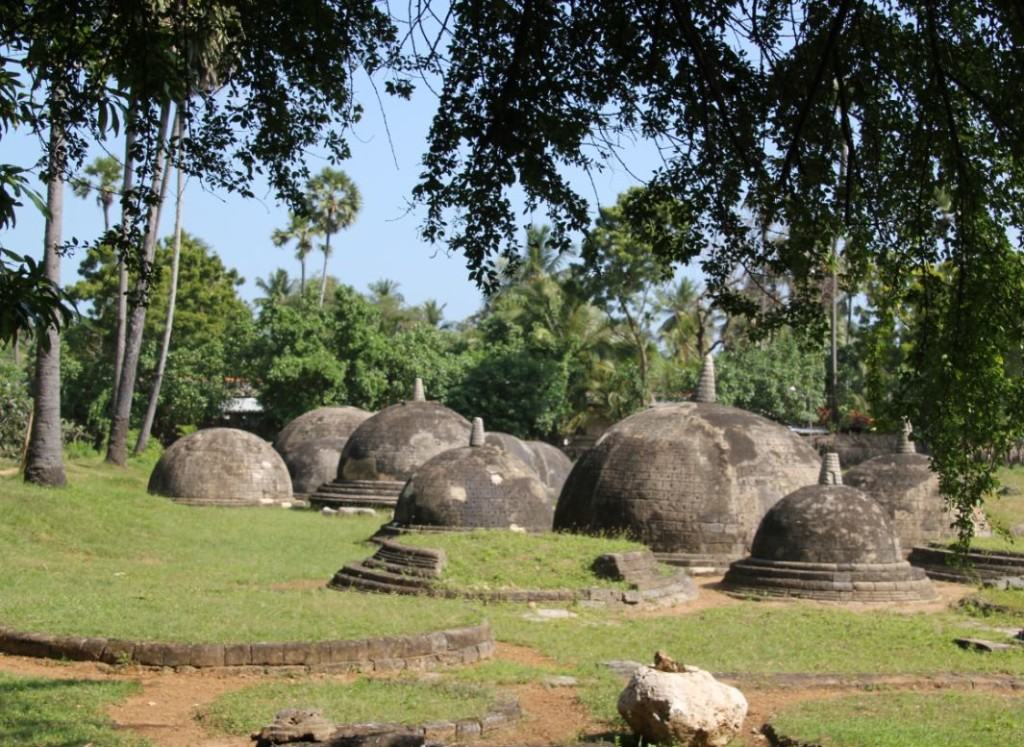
(697, 565)
(400, 569)
(874, 582)
(381, 494)
(942, 564)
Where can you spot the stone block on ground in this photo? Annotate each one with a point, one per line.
(295, 725)
(688, 708)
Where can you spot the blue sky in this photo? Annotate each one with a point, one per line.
(383, 243)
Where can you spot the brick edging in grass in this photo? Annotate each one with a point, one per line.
(423, 651)
(501, 715)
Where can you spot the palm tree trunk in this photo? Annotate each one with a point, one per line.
(122, 269)
(165, 343)
(44, 463)
(323, 278)
(302, 276)
(117, 450)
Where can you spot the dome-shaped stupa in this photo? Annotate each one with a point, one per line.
(828, 541)
(311, 444)
(510, 445)
(221, 467)
(551, 464)
(690, 480)
(387, 448)
(475, 486)
(907, 488)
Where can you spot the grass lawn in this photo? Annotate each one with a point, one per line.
(907, 719)
(1006, 511)
(500, 559)
(752, 637)
(101, 557)
(61, 713)
(404, 701)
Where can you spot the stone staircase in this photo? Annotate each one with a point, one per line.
(395, 569)
(381, 494)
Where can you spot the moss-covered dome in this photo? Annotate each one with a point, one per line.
(311, 444)
(476, 486)
(828, 541)
(690, 480)
(222, 467)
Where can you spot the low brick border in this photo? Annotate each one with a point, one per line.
(387, 654)
(503, 714)
(940, 563)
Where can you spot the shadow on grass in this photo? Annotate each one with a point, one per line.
(60, 713)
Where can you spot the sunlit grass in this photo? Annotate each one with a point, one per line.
(101, 557)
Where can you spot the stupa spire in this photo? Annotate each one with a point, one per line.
(417, 391)
(831, 471)
(706, 382)
(907, 445)
(478, 437)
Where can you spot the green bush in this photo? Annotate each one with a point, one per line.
(15, 406)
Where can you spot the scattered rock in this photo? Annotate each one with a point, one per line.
(355, 511)
(543, 615)
(1009, 490)
(980, 644)
(623, 667)
(295, 725)
(689, 708)
(1017, 530)
(328, 511)
(560, 681)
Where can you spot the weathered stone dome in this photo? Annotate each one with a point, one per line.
(551, 464)
(311, 444)
(907, 488)
(475, 486)
(221, 467)
(385, 450)
(510, 445)
(690, 480)
(828, 541)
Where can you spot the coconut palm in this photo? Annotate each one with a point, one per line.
(335, 202)
(302, 231)
(688, 328)
(276, 287)
(104, 174)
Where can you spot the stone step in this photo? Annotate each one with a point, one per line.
(400, 569)
(379, 576)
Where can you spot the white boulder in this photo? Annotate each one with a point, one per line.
(689, 707)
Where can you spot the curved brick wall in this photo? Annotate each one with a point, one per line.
(424, 651)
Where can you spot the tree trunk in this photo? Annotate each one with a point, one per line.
(323, 279)
(302, 276)
(165, 343)
(44, 460)
(117, 449)
(833, 374)
(122, 270)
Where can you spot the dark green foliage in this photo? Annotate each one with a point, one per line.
(15, 406)
(751, 105)
(211, 330)
(781, 377)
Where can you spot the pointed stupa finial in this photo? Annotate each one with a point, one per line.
(417, 391)
(831, 471)
(478, 437)
(706, 382)
(907, 445)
